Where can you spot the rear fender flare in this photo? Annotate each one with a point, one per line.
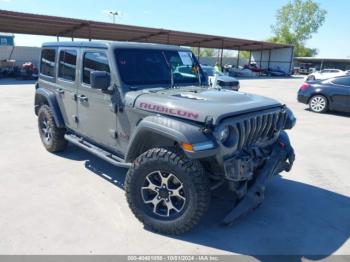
(45, 96)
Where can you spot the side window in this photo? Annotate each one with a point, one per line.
(47, 63)
(94, 61)
(344, 81)
(67, 64)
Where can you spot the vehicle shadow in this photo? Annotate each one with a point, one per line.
(103, 169)
(332, 113)
(296, 219)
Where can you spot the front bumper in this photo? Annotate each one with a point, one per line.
(236, 87)
(281, 159)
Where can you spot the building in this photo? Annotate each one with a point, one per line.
(7, 39)
(21, 54)
(322, 63)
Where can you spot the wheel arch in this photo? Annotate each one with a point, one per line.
(46, 97)
(159, 131)
(147, 139)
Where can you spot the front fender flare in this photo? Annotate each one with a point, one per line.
(172, 129)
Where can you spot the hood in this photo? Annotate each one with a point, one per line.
(197, 103)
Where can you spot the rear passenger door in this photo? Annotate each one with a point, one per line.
(66, 85)
(97, 119)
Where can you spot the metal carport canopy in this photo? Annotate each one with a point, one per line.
(26, 23)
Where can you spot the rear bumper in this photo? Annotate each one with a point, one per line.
(302, 98)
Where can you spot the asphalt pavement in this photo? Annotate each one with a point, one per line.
(74, 203)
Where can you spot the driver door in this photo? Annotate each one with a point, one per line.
(97, 119)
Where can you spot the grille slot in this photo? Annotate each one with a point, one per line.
(258, 127)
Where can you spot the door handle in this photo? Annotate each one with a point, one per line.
(60, 91)
(83, 98)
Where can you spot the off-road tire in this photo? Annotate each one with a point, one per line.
(57, 142)
(194, 180)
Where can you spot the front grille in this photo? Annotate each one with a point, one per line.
(257, 128)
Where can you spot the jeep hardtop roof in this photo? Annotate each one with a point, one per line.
(114, 44)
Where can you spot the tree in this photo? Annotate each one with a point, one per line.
(296, 22)
(203, 51)
(244, 54)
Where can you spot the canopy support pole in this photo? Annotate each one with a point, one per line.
(222, 53)
(268, 63)
(199, 50)
(292, 60)
(238, 57)
(261, 55)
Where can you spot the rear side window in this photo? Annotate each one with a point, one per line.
(67, 64)
(94, 61)
(47, 65)
(344, 81)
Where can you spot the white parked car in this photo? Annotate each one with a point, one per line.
(325, 74)
(222, 80)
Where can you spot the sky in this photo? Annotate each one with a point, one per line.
(250, 19)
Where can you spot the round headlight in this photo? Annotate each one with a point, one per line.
(224, 134)
(290, 121)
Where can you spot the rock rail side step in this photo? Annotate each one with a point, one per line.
(99, 152)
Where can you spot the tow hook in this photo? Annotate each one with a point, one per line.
(281, 159)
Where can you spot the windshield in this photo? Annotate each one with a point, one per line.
(154, 67)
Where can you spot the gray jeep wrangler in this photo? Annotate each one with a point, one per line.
(128, 104)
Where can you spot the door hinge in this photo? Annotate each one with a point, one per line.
(115, 108)
(76, 120)
(113, 133)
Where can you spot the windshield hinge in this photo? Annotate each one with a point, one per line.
(208, 125)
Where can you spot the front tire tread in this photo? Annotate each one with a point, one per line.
(198, 177)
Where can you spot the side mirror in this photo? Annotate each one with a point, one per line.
(100, 80)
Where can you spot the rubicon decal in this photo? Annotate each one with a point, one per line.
(168, 110)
